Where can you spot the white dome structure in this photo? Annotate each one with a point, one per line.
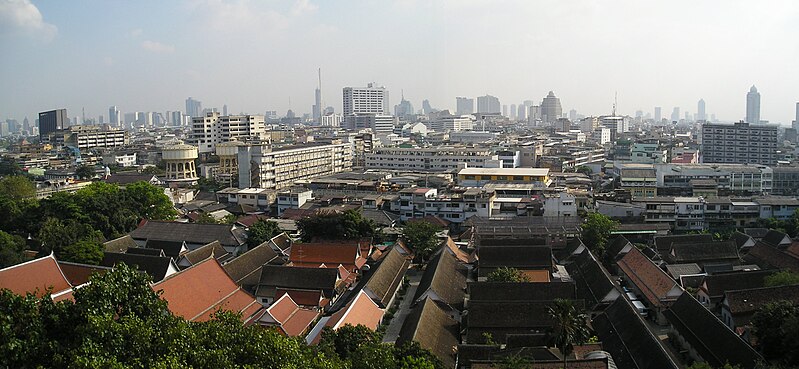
(179, 160)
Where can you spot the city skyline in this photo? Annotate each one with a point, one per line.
(146, 57)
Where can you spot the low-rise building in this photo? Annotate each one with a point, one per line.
(429, 159)
(478, 177)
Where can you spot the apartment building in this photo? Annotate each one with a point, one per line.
(86, 137)
(785, 181)
(697, 213)
(478, 177)
(429, 159)
(213, 128)
(735, 178)
(740, 143)
(262, 166)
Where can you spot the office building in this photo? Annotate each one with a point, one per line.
(796, 120)
(364, 100)
(488, 104)
(441, 159)
(739, 143)
(444, 121)
(550, 108)
(465, 105)
(658, 116)
(426, 108)
(317, 107)
(700, 111)
(211, 129)
(512, 111)
(194, 108)
(86, 137)
(378, 123)
(753, 106)
(331, 120)
(675, 114)
(521, 113)
(404, 109)
(51, 121)
(261, 166)
(178, 119)
(114, 116)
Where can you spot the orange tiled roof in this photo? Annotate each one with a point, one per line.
(653, 282)
(328, 253)
(289, 317)
(361, 310)
(305, 298)
(35, 276)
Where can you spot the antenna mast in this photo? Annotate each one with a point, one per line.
(615, 99)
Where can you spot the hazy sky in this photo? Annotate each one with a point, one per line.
(258, 55)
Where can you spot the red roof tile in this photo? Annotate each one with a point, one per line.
(305, 298)
(361, 310)
(35, 276)
(289, 317)
(654, 283)
(331, 254)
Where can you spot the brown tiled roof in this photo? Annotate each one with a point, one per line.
(593, 281)
(198, 292)
(446, 277)
(78, 274)
(245, 269)
(388, 276)
(768, 256)
(304, 298)
(775, 238)
(658, 288)
(711, 338)
(35, 276)
(663, 243)
(750, 300)
(120, 244)
(519, 257)
(502, 318)
(360, 311)
(192, 233)
(204, 252)
(433, 329)
(511, 291)
(716, 284)
(248, 220)
(297, 278)
(157, 267)
(697, 252)
(461, 255)
(331, 254)
(292, 320)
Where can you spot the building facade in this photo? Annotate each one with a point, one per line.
(741, 143)
(260, 166)
(209, 130)
(429, 159)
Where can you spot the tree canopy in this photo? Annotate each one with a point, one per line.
(569, 328)
(507, 274)
(776, 326)
(118, 321)
(262, 231)
(422, 238)
(11, 248)
(783, 278)
(596, 231)
(349, 224)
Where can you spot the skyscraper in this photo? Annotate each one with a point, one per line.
(114, 116)
(371, 100)
(488, 104)
(50, 121)
(700, 111)
(753, 106)
(550, 108)
(797, 113)
(317, 108)
(521, 114)
(403, 109)
(426, 108)
(194, 108)
(464, 105)
(224, 110)
(658, 115)
(504, 110)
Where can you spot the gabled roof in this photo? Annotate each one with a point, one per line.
(663, 243)
(145, 251)
(459, 254)
(750, 300)
(329, 253)
(756, 233)
(767, 256)
(593, 281)
(716, 284)
(711, 338)
(199, 291)
(777, 239)
(628, 339)
(386, 279)
(617, 245)
(511, 291)
(519, 257)
(380, 217)
(742, 239)
(157, 267)
(248, 220)
(35, 276)
(290, 318)
(281, 242)
(446, 278)
(697, 252)
(78, 274)
(195, 256)
(433, 329)
(678, 270)
(289, 277)
(171, 248)
(191, 233)
(658, 288)
(245, 269)
(121, 244)
(503, 318)
(360, 311)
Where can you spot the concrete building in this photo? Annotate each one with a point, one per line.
(51, 121)
(550, 108)
(465, 105)
(364, 100)
(86, 137)
(429, 159)
(379, 124)
(331, 120)
(179, 161)
(786, 181)
(194, 108)
(471, 136)
(261, 166)
(488, 104)
(209, 130)
(737, 178)
(114, 116)
(292, 198)
(123, 159)
(739, 143)
(753, 106)
(444, 121)
(700, 111)
(478, 177)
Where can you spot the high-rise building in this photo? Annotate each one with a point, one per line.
(797, 113)
(114, 116)
(504, 110)
(700, 111)
(317, 107)
(211, 129)
(194, 108)
(658, 115)
(740, 143)
(224, 110)
(263, 166)
(426, 108)
(513, 111)
(675, 114)
(403, 109)
(464, 105)
(488, 104)
(177, 119)
(573, 115)
(521, 114)
(550, 108)
(753, 106)
(364, 100)
(51, 121)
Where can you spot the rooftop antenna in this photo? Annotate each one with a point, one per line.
(615, 97)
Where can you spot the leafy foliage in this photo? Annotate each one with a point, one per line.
(507, 274)
(17, 187)
(364, 350)
(11, 248)
(85, 172)
(569, 327)
(705, 365)
(334, 225)
(71, 240)
(783, 278)
(776, 326)
(262, 231)
(596, 231)
(421, 237)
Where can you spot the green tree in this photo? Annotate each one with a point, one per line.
(85, 172)
(569, 327)
(783, 278)
(776, 326)
(349, 224)
(262, 231)
(17, 187)
(506, 274)
(149, 202)
(11, 249)
(705, 365)
(346, 340)
(85, 251)
(71, 240)
(596, 230)
(205, 218)
(583, 169)
(422, 238)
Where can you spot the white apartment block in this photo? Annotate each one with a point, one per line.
(213, 128)
(262, 166)
(89, 137)
(739, 143)
(472, 136)
(733, 177)
(429, 159)
(364, 100)
(454, 123)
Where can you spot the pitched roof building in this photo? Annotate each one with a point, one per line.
(195, 235)
(386, 279)
(444, 280)
(288, 317)
(40, 276)
(433, 329)
(360, 311)
(245, 269)
(594, 284)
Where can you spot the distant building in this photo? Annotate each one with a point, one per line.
(364, 100)
(741, 143)
(403, 109)
(488, 104)
(675, 114)
(194, 108)
(114, 116)
(753, 106)
(700, 111)
(51, 121)
(550, 108)
(260, 166)
(426, 108)
(429, 159)
(466, 106)
(658, 114)
(444, 121)
(211, 129)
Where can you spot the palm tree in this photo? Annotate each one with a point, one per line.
(569, 327)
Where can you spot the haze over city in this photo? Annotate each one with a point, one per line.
(257, 56)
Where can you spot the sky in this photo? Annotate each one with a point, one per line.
(258, 55)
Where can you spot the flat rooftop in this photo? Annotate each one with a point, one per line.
(540, 172)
